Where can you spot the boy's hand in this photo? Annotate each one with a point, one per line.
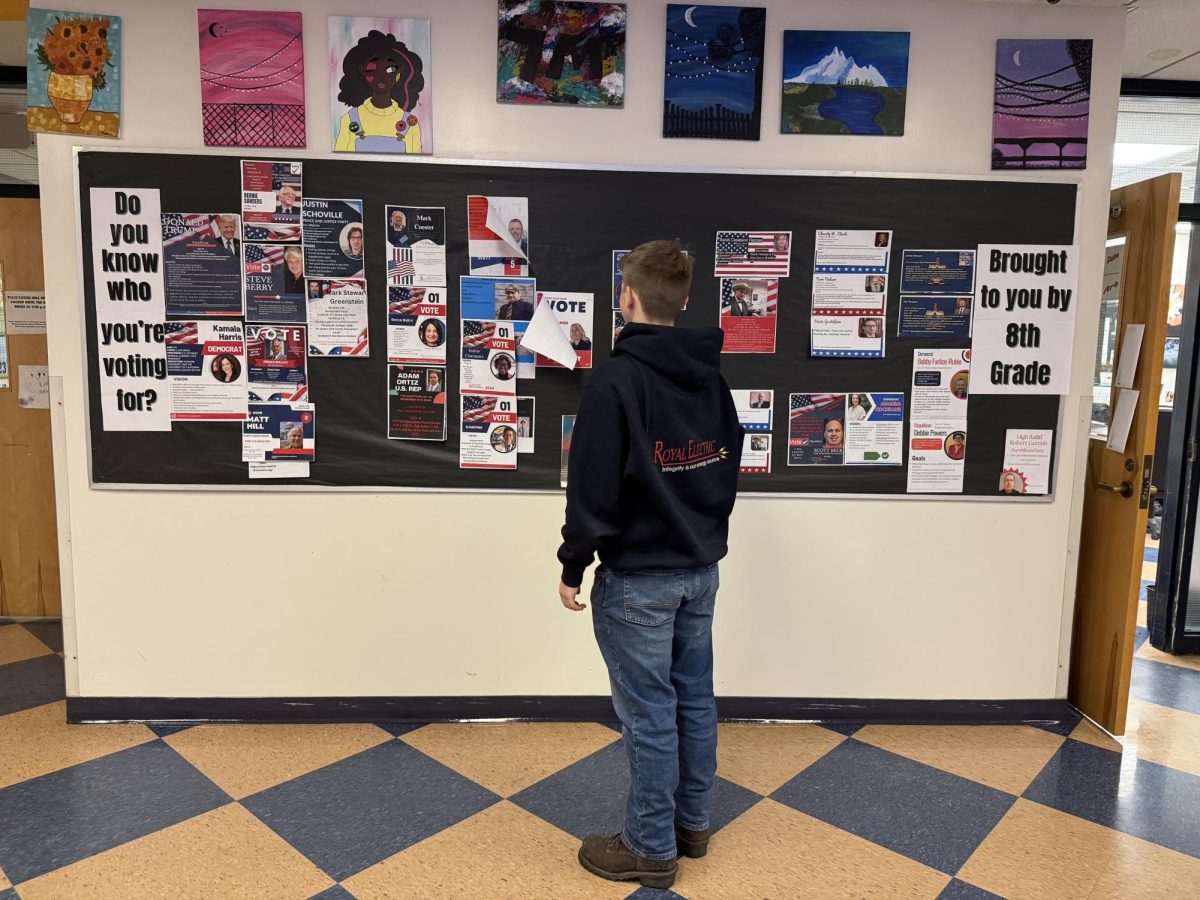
(567, 595)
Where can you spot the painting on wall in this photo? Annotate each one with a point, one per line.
(844, 82)
(1040, 115)
(713, 85)
(251, 78)
(380, 85)
(74, 73)
(555, 52)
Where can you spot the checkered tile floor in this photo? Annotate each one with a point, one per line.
(483, 811)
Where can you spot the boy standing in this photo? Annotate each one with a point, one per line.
(652, 479)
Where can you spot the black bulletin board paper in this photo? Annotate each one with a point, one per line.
(577, 218)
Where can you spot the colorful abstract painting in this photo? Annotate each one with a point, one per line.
(1043, 91)
(844, 82)
(251, 78)
(553, 52)
(74, 73)
(380, 85)
(714, 76)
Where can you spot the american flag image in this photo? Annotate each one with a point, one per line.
(477, 333)
(401, 269)
(804, 404)
(195, 226)
(749, 253)
(477, 409)
(764, 300)
(271, 231)
(182, 333)
(261, 257)
(359, 348)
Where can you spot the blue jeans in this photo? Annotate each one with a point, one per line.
(655, 634)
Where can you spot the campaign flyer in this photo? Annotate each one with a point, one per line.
(938, 272)
(416, 403)
(816, 429)
(933, 315)
(337, 317)
(617, 255)
(1026, 461)
(498, 235)
(756, 454)
(754, 408)
(202, 264)
(847, 335)
(849, 292)
(574, 312)
(526, 420)
(206, 368)
(416, 245)
(279, 431)
(941, 383)
(507, 299)
(753, 254)
(417, 325)
(274, 277)
(272, 197)
(333, 238)
(564, 456)
(276, 362)
(748, 314)
(489, 364)
(618, 324)
(936, 453)
(285, 468)
(489, 432)
(874, 429)
(852, 251)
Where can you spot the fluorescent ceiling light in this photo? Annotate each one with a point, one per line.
(1143, 154)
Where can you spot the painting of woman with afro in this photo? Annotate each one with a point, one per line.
(382, 97)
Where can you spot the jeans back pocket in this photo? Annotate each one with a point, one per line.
(651, 598)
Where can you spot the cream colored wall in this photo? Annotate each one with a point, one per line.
(957, 599)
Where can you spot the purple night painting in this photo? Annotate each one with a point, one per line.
(1043, 89)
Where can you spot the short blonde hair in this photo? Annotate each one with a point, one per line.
(661, 274)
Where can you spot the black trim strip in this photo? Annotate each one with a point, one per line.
(1159, 87)
(26, 191)
(547, 708)
(13, 75)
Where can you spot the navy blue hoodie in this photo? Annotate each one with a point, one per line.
(654, 458)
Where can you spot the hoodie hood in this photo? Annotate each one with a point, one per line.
(687, 357)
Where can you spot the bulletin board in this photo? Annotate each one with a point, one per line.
(578, 216)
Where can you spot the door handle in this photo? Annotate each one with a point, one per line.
(1125, 489)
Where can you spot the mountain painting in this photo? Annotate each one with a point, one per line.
(1043, 92)
(844, 82)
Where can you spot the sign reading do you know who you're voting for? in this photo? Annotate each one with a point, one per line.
(1024, 319)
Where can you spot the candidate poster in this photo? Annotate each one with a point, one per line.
(816, 429)
(489, 432)
(489, 364)
(847, 335)
(206, 367)
(334, 245)
(279, 431)
(416, 403)
(417, 325)
(756, 454)
(934, 315)
(938, 272)
(498, 235)
(874, 429)
(754, 408)
(416, 245)
(753, 254)
(849, 292)
(937, 450)
(337, 317)
(574, 313)
(564, 456)
(272, 197)
(276, 362)
(526, 422)
(941, 384)
(749, 308)
(617, 277)
(505, 299)
(127, 263)
(202, 264)
(1026, 461)
(839, 251)
(274, 279)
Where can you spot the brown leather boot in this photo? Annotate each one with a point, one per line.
(609, 858)
(692, 844)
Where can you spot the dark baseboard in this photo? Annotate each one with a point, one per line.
(549, 709)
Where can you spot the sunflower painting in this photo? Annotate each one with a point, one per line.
(74, 73)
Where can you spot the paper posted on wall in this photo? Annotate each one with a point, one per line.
(937, 451)
(874, 429)
(272, 198)
(940, 384)
(279, 431)
(526, 424)
(572, 313)
(417, 325)
(488, 439)
(416, 403)
(756, 454)
(33, 391)
(206, 365)
(202, 264)
(754, 408)
(334, 241)
(498, 235)
(489, 364)
(337, 317)
(276, 362)
(416, 245)
(1026, 461)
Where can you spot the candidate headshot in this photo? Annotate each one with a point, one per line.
(516, 231)
(292, 436)
(433, 381)
(881, 239)
(227, 225)
(782, 240)
(397, 234)
(512, 307)
(962, 305)
(958, 385)
(352, 244)
(286, 201)
(832, 433)
(956, 444)
(431, 332)
(226, 368)
(758, 443)
(277, 349)
(524, 428)
(875, 284)
(293, 275)
(502, 367)
(870, 328)
(579, 338)
(504, 439)
(1011, 483)
(314, 290)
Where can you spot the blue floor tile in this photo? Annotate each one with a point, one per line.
(960, 890)
(643, 893)
(57, 819)
(9, 894)
(167, 730)
(396, 729)
(31, 682)
(1150, 554)
(1122, 792)
(928, 815)
(1140, 636)
(49, 632)
(589, 796)
(1166, 685)
(846, 728)
(1064, 728)
(350, 815)
(337, 892)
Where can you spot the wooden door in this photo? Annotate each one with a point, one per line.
(1118, 490)
(29, 584)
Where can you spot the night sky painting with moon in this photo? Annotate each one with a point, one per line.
(251, 78)
(1043, 91)
(714, 73)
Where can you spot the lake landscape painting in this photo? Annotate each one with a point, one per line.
(844, 82)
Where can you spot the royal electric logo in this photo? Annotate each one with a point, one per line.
(693, 455)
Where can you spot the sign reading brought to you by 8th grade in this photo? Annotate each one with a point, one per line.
(1024, 319)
